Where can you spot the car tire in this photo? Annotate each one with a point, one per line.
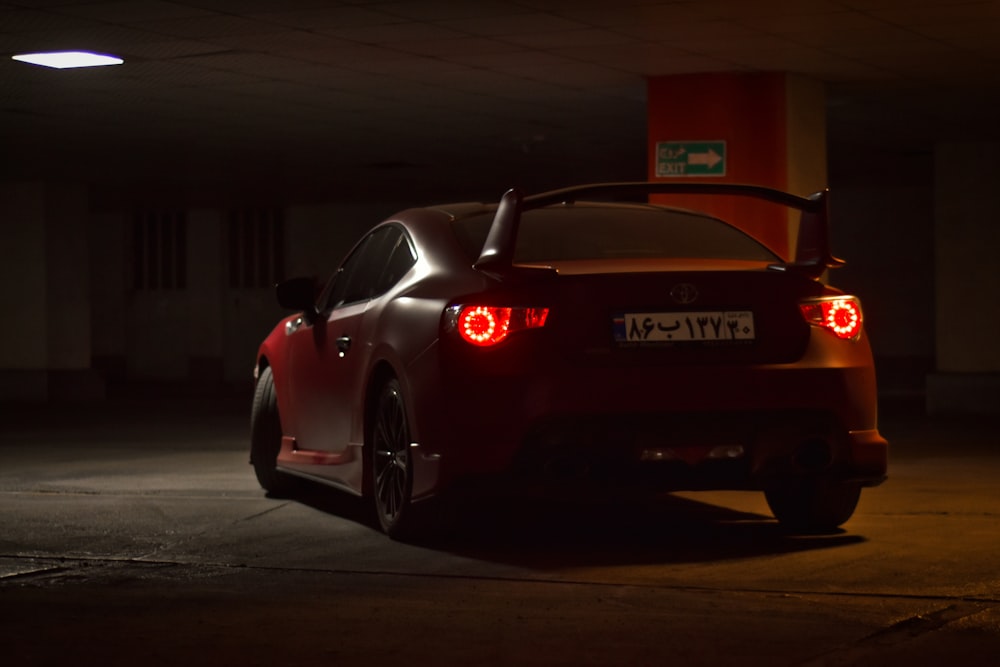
(392, 467)
(813, 505)
(265, 437)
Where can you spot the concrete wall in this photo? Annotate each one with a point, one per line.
(23, 300)
(967, 264)
(45, 270)
(109, 289)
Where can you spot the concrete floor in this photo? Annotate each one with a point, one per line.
(135, 533)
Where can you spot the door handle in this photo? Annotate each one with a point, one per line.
(343, 345)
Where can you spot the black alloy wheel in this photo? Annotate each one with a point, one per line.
(392, 467)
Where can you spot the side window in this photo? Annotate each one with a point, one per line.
(344, 283)
(401, 258)
(376, 264)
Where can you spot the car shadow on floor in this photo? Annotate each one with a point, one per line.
(560, 534)
(668, 530)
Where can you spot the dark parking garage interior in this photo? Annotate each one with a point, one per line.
(147, 209)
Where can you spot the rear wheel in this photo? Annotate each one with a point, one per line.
(391, 474)
(392, 467)
(265, 437)
(813, 505)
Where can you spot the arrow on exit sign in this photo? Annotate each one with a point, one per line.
(690, 158)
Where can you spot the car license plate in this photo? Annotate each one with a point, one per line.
(684, 327)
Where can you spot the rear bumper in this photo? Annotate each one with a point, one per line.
(670, 452)
(670, 428)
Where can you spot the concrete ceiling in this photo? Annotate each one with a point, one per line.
(537, 91)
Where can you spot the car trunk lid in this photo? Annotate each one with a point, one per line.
(689, 312)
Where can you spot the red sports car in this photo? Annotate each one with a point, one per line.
(573, 343)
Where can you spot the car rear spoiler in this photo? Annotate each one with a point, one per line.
(812, 254)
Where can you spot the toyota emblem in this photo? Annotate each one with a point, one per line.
(684, 293)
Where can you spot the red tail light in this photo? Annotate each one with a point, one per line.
(840, 315)
(488, 325)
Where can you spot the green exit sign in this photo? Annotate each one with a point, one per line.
(690, 158)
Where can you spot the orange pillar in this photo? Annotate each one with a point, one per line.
(764, 129)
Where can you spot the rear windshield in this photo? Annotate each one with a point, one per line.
(583, 232)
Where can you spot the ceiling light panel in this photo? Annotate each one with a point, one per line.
(68, 59)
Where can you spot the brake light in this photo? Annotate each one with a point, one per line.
(840, 315)
(488, 325)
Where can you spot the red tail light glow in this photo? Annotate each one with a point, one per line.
(839, 315)
(488, 325)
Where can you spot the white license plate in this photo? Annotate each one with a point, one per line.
(684, 327)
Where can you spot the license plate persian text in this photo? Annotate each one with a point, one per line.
(684, 327)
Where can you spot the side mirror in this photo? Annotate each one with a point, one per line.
(298, 294)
